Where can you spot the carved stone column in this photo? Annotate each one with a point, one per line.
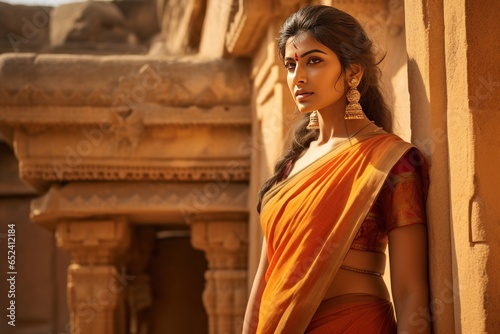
(225, 245)
(95, 286)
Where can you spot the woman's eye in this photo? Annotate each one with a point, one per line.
(290, 66)
(314, 60)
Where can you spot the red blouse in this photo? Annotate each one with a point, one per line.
(401, 202)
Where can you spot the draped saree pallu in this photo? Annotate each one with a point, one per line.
(310, 220)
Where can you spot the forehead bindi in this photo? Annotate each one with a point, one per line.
(298, 46)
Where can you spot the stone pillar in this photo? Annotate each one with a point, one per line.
(427, 64)
(473, 115)
(225, 295)
(95, 286)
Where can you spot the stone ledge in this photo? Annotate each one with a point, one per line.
(143, 202)
(122, 81)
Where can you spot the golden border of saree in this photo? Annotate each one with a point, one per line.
(310, 221)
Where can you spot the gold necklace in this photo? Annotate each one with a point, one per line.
(357, 132)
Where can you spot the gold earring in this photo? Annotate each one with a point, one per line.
(313, 121)
(353, 110)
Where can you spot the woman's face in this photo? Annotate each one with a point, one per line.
(315, 77)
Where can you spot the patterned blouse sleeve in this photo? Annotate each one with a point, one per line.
(403, 196)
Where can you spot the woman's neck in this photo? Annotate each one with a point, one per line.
(333, 126)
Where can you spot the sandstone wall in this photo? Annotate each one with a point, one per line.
(453, 81)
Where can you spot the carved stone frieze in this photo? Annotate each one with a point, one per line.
(145, 145)
(83, 172)
(145, 120)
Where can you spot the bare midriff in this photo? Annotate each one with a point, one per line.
(348, 281)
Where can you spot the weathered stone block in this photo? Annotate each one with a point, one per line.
(95, 22)
(23, 28)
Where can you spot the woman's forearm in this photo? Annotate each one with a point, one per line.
(413, 314)
(251, 319)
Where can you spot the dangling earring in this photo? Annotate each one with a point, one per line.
(353, 110)
(313, 121)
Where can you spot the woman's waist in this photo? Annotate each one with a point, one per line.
(349, 282)
(360, 273)
(369, 262)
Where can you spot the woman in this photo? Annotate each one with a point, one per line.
(343, 190)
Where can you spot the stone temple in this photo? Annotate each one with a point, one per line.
(134, 136)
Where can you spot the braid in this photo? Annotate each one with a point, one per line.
(302, 138)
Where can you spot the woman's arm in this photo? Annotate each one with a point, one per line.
(409, 281)
(252, 312)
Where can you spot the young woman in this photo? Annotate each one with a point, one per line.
(343, 190)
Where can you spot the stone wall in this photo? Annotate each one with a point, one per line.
(454, 85)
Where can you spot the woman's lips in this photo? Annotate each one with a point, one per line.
(303, 96)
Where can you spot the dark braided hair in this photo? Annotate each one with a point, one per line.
(342, 34)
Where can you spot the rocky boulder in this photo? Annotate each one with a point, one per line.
(90, 24)
(23, 28)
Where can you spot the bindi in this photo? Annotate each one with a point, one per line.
(296, 57)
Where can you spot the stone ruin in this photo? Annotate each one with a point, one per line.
(126, 135)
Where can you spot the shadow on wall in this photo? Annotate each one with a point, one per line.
(429, 134)
(39, 289)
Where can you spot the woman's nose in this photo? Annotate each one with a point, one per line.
(299, 76)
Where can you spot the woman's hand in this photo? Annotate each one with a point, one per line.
(252, 312)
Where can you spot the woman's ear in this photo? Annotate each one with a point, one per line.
(354, 70)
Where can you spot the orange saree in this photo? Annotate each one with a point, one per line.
(353, 313)
(310, 220)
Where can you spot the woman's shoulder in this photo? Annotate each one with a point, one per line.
(394, 138)
(411, 157)
(386, 141)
